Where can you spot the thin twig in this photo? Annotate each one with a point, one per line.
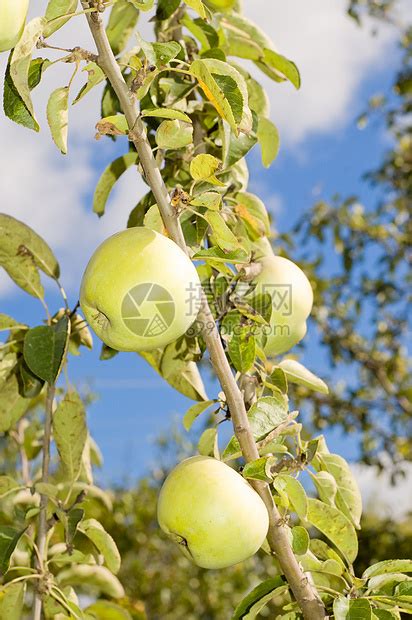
(305, 594)
(42, 530)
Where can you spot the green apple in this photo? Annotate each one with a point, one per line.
(139, 291)
(13, 15)
(292, 298)
(212, 512)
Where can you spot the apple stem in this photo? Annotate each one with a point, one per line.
(305, 592)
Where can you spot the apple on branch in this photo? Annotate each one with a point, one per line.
(212, 512)
(139, 291)
(13, 15)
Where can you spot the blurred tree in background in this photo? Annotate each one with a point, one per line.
(361, 306)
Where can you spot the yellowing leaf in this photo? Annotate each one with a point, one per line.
(203, 168)
(335, 526)
(58, 117)
(226, 89)
(21, 57)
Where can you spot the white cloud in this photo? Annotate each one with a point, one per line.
(382, 498)
(333, 54)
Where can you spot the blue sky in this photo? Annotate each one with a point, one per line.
(322, 153)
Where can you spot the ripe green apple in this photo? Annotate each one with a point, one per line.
(139, 291)
(13, 15)
(212, 512)
(292, 298)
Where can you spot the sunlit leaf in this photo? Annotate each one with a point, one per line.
(70, 433)
(335, 526)
(194, 412)
(45, 347)
(56, 14)
(298, 373)
(108, 179)
(256, 600)
(58, 117)
(268, 138)
(103, 542)
(21, 58)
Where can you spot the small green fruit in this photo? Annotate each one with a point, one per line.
(139, 291)
(292, 299)
(13, 15)
(212, 512)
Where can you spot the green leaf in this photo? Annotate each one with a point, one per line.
(256, 600)
(277, 379)
(109, 177)
(203, 31)
(259, 469)
(70, 433)
(166, 113)
(103, 542)
(335, 526)
(326, 487)
(268, 138)
(95, 75)
(388, 566)
(93, 576)
(9, 537)
(226, 89)
(13, 104)
(285, 67)
(207, 445)
(352, 609)
(224, 237)
(194, 412)
(295, 492)
(159, 54)
(242, 349)
(174, 134)
(300, 540)
(264, 416)
(58, 117)
(385, 614)
(237, 147)
(198, 6)
(56, 15)
(166, 8)
(106, 610)
(220, 256)
(19, 240)
(209, 200)
(122, 20)
(11, 605)
(45, 347)
(348, 497)
(21, 59)
(297, 373)
(12, 404)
